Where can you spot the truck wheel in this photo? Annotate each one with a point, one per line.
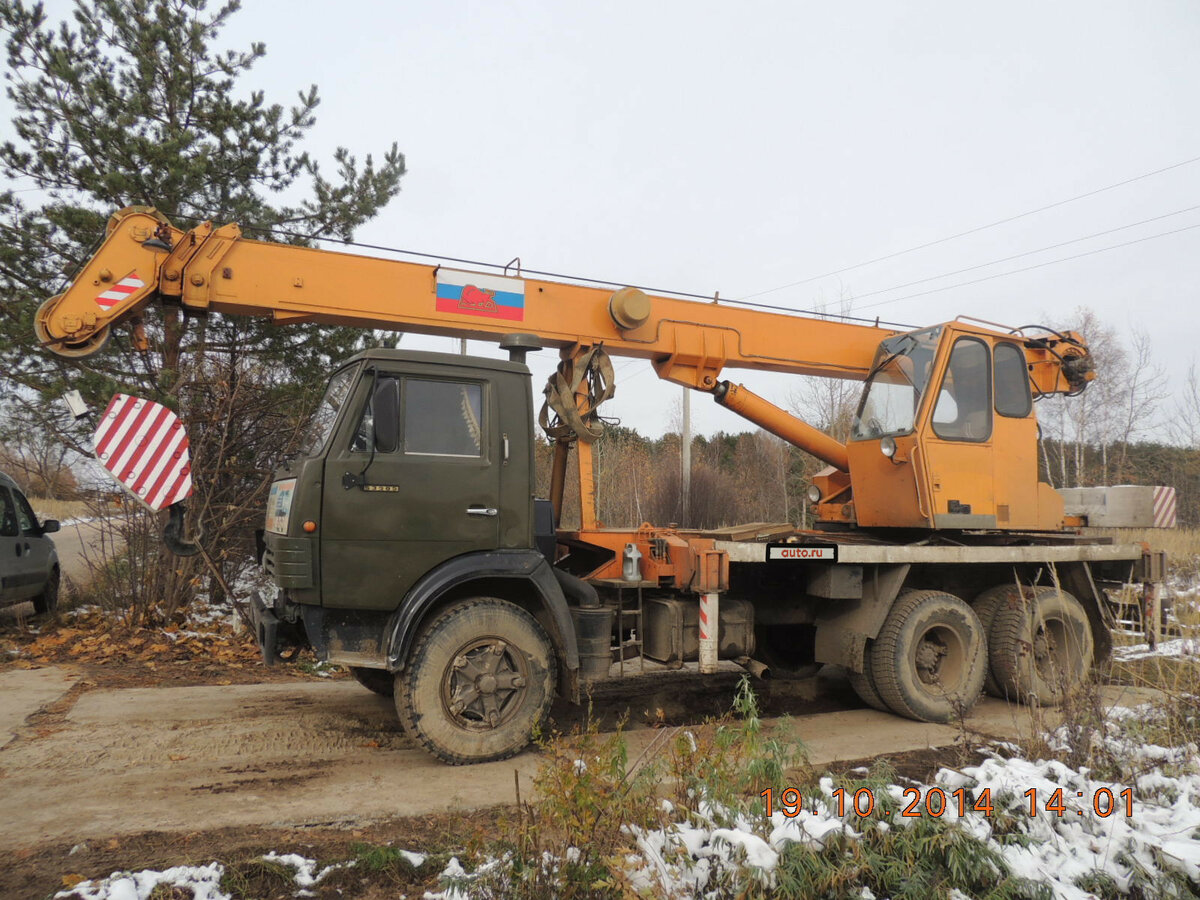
(479, 680)
(986, 605)
(380, 681)
(864, 685)
(1042, 649)
(929, 659)
(47, 600)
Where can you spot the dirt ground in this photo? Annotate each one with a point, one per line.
(129, 750)
(102, 778)
(104, 767)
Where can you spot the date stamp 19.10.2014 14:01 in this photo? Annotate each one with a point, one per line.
(935, 802)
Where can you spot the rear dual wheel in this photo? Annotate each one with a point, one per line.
(986, 605)
(864, 685)
(1040, 646)
(929, 660)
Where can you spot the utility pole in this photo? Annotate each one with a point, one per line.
(685, 458)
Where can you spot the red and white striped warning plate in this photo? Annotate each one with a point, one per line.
(109, 298)
(144, 446)
(1164, 507)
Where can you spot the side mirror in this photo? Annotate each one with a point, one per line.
(386, 406)
(50, 526)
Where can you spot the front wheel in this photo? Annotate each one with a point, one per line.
(929, 659)
(479, 680)
(378, 681)
(47, 600)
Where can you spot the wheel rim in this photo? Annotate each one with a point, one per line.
(1056, 655)
(485, 684)
(940, 658)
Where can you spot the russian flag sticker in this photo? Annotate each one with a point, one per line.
(472, 294)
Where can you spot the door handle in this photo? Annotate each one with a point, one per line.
(482, 511)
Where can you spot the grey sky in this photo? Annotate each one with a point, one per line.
(739, 147)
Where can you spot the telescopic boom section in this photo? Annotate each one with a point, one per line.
(208, 268)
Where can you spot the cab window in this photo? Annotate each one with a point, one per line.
(8, 515)
(440, 418)
(443, 418)
(964, 405)
(385, 393)
(1012, 382)
(25, 515)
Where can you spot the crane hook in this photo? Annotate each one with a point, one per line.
(173, 532)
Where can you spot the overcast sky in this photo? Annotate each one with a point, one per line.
(742, 147)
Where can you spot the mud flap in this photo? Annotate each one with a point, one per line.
(266, 629)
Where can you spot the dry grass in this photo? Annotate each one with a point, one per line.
(62, 510)
(1182, 545)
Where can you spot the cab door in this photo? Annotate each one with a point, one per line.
(414, 482)
(24, 557)
(36, 547)
(957, 448)
(11, 570)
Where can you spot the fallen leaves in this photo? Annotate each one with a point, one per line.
(100, 639)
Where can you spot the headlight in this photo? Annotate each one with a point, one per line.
(814, 494)
(887, 446)
(279, 505)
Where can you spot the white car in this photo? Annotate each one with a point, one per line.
(29, 567)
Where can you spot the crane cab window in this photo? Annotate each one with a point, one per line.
(422, 417)
(895, 385)
(964, 405)
(1012, 382)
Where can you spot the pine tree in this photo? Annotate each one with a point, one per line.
(133, 103)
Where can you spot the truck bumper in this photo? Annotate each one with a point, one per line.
(266, 629)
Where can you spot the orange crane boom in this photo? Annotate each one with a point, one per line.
(144, 258)
(217, 269)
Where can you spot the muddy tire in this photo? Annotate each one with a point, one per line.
(864, 685)
(47, 600)
(986, 605)
(1042, 649)
(479, 680)
(929, 659)
(378, 681)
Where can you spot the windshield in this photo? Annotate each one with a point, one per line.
(320, 426)
(894, 387)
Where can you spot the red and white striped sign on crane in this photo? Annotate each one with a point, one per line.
(119, 291)
(1164, 507)
(144, 446)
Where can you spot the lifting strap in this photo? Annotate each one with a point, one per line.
(572, 420)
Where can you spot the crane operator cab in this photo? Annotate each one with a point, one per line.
(945, 434)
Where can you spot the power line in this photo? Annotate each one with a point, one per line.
(976, 230)
(1031, 268)
(995, 262)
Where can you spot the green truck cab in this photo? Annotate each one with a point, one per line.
(406, 540)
